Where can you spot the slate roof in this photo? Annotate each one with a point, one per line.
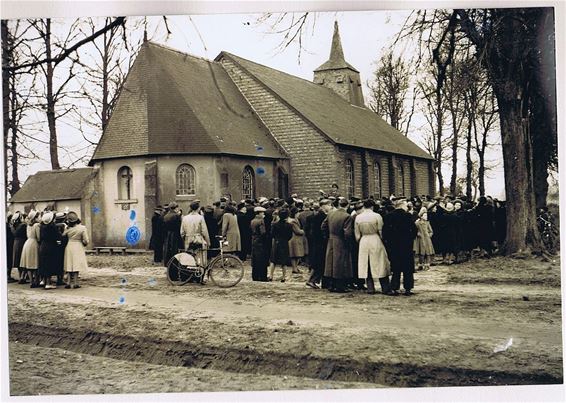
(62, 184)
(340, 121)
(174, 103)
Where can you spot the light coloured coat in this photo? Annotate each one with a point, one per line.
(194, 229)
(231, 231)
(367, 229)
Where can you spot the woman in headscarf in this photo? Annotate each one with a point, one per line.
(29, 261)
(75, 257)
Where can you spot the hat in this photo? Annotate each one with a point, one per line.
(31, 215)
(222, 200)
(449, 207)
(72, 217)
(240, 205)
(60, 215)
(259, 210)
(172, 205)
(422, 211)
(208, 209)
(48, 217)
(262, 199)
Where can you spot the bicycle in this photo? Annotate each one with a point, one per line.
(225, 270)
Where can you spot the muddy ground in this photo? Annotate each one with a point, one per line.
(486, 322)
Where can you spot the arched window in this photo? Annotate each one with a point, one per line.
(376, 180)
(185, 180)
(248, 185)
(350, 177)
(125, 177)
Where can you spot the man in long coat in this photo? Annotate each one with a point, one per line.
(367, 228)
(260, 259)
(172, 230)
(399, 232)
(156, 240)
(317, 244)
(339, 227)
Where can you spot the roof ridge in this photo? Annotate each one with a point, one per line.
(165, 47)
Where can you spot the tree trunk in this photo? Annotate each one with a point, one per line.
(439, 119)
(15, 185)
(469, 164)
(6, 59)
(522, 231)
(454, 155)
(105, 100)
(51, 119)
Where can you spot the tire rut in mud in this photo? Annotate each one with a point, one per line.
(198, 355)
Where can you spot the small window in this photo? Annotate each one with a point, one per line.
(339, 78)
(248, 190)
(185, 180)
(350, 177)
(125, 183)
(224, 180)
(376, 180)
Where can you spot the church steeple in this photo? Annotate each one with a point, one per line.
(339, 75)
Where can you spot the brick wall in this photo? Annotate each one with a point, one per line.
(313, 158)
(422, 182)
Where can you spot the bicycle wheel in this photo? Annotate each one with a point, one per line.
(178, 272)
(226, 271)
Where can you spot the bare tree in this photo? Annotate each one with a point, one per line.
(388, 92)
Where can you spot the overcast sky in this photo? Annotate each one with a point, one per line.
(365, 36)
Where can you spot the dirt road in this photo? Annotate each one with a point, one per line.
(488, 322)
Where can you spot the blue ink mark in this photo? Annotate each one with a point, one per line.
(124, 281)
(133, 235)
(152, 282)
(96, 210)
(259, 149)
(132, 215)
(260, 171)
(122, 300)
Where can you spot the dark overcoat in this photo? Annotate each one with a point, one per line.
(451, 232)
(339, 228)
(281, 233)
(317, 240)
(399, 232)
(156, 240)
(244, 222)
(19, 233)
(50, 239)
(260, 258)
(172, 239)
(9, 247)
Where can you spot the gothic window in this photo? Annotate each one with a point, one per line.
(376, 179)
(248, 185)
(350, 177)
(125, 183)
(185, 180)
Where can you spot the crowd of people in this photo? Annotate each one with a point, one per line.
(346, 243)
(46, 248)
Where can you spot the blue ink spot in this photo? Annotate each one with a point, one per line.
(133, 235)
(122, 300)
(96, 210)
(132, 215)
(259, 149)
(123, 281)
(260, 171)
(152, 282)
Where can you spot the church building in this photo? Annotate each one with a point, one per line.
(187, 128)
